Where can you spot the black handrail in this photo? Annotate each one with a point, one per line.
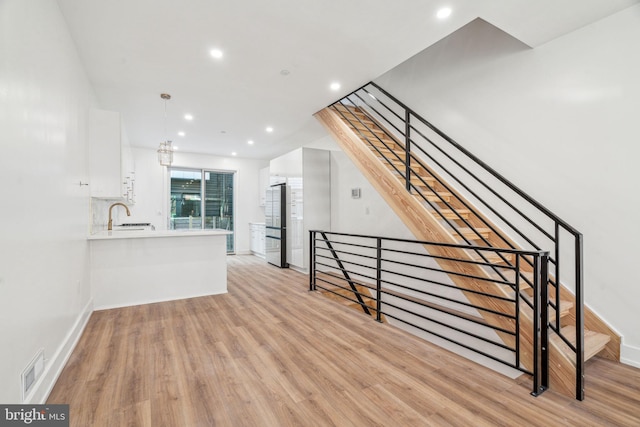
(380, 106)
(400, 282)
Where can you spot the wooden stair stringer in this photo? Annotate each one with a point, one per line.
(425, 226)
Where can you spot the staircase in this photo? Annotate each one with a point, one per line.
(395, 149)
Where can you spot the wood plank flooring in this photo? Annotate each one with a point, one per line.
(270, 353)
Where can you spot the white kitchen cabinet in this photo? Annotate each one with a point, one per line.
(111, 166)
(257, 231)
(307, 172)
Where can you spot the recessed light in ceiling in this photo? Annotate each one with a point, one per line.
(269, 129)
(234, 154)
(216, 53)
(188, 117)
(334, 86)
(285, 72)
(175, 148)
(181, 133)
(444, 13)
(250, 142)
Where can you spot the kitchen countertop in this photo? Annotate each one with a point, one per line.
(146, 234)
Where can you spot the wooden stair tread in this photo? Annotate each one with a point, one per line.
(472, 234)
(400, 164)
(400, 159)
(594, 342)
(438, 196)
(565, 305)
(381, 144)
(493, 257)
(430, 181)
(348, 109)
(369, 128)
(452, 214)
(565, 309)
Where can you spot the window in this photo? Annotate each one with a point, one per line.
(202, 199)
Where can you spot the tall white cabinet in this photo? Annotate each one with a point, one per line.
(307, 172)
(110, 160)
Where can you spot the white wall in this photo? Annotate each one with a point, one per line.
(561, 122)
(152, 189)
(44, 286)
(369, 214)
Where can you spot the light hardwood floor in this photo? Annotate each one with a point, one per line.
(270, 353)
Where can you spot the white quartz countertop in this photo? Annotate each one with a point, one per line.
(148, 234)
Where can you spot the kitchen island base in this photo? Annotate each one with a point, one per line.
(150, 267)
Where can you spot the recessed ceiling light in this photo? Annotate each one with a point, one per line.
(234, 154)
(175, 148)
(335, 86)
(181, 133)
(285, 72)
(216, 53)
(444, 13)
(269, 129)
(250, 142)
(188, 117)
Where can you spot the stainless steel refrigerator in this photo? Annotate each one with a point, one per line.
(276, 225)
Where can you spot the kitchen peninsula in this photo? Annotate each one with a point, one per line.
(141, 267)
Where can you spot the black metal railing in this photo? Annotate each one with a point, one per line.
(434, 288)
(448, 179)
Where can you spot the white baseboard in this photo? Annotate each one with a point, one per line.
(630, 355)
(299, 269)
(55, 364)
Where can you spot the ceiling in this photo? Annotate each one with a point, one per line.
(134, 50)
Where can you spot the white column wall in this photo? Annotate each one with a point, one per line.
(152, 189)
(560, 121)
(44, 282)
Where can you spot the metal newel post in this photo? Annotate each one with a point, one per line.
(579, 320)
(544, 321)
(312, 260)
(407, 145)
(378, 279)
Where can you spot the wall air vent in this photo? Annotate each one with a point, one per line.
(32, 373)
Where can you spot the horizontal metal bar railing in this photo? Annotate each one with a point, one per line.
(399, 279)
(523, 222)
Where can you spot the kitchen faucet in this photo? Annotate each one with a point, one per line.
(110, 226)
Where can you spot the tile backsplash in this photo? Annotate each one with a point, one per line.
(100, 214)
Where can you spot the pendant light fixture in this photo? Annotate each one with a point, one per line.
(165, 152)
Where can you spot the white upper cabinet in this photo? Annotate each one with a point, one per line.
(110, 160)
